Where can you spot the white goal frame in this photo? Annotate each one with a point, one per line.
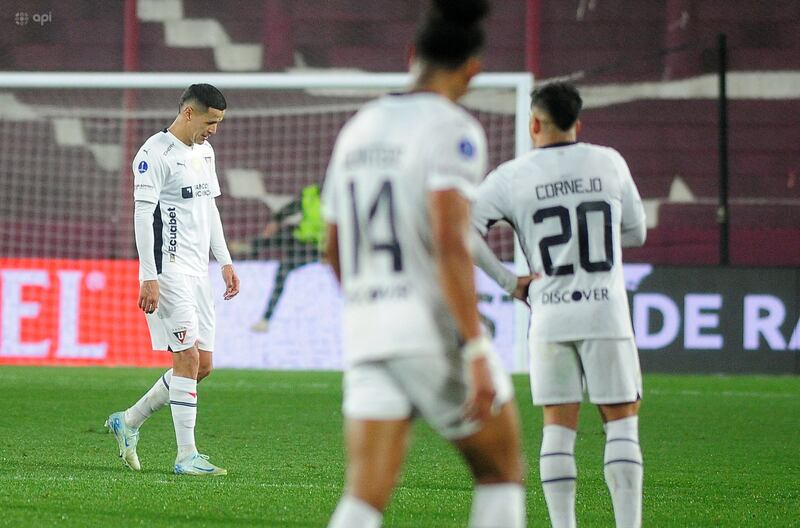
(521, 83)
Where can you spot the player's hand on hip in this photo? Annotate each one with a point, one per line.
(148, 296)
(480, 398)
(231, 281)
(521, 291)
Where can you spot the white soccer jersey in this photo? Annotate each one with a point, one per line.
(387, 160)
(182, 181)
(569, 204)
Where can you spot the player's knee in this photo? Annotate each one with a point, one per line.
(497, 463)
(192, 358)
(186, 362)
(494, 454)
(619, 411)
(204, 371)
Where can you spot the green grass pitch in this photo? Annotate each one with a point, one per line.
(719, 451)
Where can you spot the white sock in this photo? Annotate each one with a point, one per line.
(183, 403)
(153, 400)
(352, 512)
(558, 473)
(498, 506)
(624, 471)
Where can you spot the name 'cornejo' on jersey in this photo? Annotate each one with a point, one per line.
(376, 192)
(571, 205)
(182, 181)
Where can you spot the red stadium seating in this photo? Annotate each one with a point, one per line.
(660, 139)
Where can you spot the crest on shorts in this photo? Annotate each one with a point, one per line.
(180, 334)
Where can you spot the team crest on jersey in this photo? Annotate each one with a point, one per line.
(180, 334)
(142, 167)
(466, 148)
(208, 159)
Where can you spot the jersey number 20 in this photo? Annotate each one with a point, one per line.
(562, 213)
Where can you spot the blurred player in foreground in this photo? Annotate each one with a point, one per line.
(574, 206)
(397, 201)
(176, 222)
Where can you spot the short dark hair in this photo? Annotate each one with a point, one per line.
(204, 94)
(561, 101)
(451, 32)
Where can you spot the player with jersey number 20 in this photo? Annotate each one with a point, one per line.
(176, 222)
(574, 206)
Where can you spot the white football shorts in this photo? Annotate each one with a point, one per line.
(427, 385)
(608, 370)
(185, 313)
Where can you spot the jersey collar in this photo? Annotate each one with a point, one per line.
(177, 141)
(560, 144)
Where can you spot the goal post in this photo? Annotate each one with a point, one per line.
(67, 255)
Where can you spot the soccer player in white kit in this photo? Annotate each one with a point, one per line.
(176, 222)
(396, 201)
(574, 206)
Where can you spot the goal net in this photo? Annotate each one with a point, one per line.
(68, 263)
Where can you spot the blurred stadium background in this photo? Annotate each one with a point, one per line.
(719, 175)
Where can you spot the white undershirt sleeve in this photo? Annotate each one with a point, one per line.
(633, 236)
(218, 246)
(633, 224)
(493, 202)
(486, 260)
(145, 239)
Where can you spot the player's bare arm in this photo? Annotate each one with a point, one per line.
(332, 250)
(450, 225)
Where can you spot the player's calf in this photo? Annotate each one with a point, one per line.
(496, 462)
(203, 372)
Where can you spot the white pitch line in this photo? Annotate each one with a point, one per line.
(735, 394)
(298, 486)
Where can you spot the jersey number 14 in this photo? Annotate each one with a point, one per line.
(381, 209)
